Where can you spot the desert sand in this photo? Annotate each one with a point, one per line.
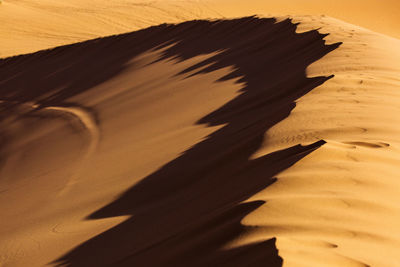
(31, 25)
(248, 141)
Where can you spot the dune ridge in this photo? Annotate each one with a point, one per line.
(333, 203)
(29, 26)
(339, 204)
(200, 200)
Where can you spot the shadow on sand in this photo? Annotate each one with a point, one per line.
(187, 211)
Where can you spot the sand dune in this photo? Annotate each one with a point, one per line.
(241, 142)
(115, 80)
(29, 26)
(341, 201)
(377, 15)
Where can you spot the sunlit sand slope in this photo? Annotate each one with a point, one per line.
(137, 149)
(378, 15)
(340, 205)
(29, 26)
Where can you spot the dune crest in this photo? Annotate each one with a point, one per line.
(187, 210)
(29, 26)
(339, 205)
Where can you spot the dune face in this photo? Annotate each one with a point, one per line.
(339, 205)
(104, 111)
(29, 26)
(206, 143)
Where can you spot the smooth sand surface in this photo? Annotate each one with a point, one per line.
(29, 26)
(377, 15)
(206, 143)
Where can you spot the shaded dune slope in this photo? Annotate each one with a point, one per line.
(185, 212)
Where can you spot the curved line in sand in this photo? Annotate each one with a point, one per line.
(88, 122)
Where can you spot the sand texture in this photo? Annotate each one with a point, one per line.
(31, 25)
(251, 141)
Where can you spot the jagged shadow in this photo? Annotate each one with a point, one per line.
(184, 213)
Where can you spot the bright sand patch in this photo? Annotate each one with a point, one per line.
(28, 26)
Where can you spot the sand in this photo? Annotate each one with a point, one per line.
(245, 142)
(377, 15)
(29, 26)
(338, 206)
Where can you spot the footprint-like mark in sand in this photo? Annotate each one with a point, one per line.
(368, 144)
(85, 118)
